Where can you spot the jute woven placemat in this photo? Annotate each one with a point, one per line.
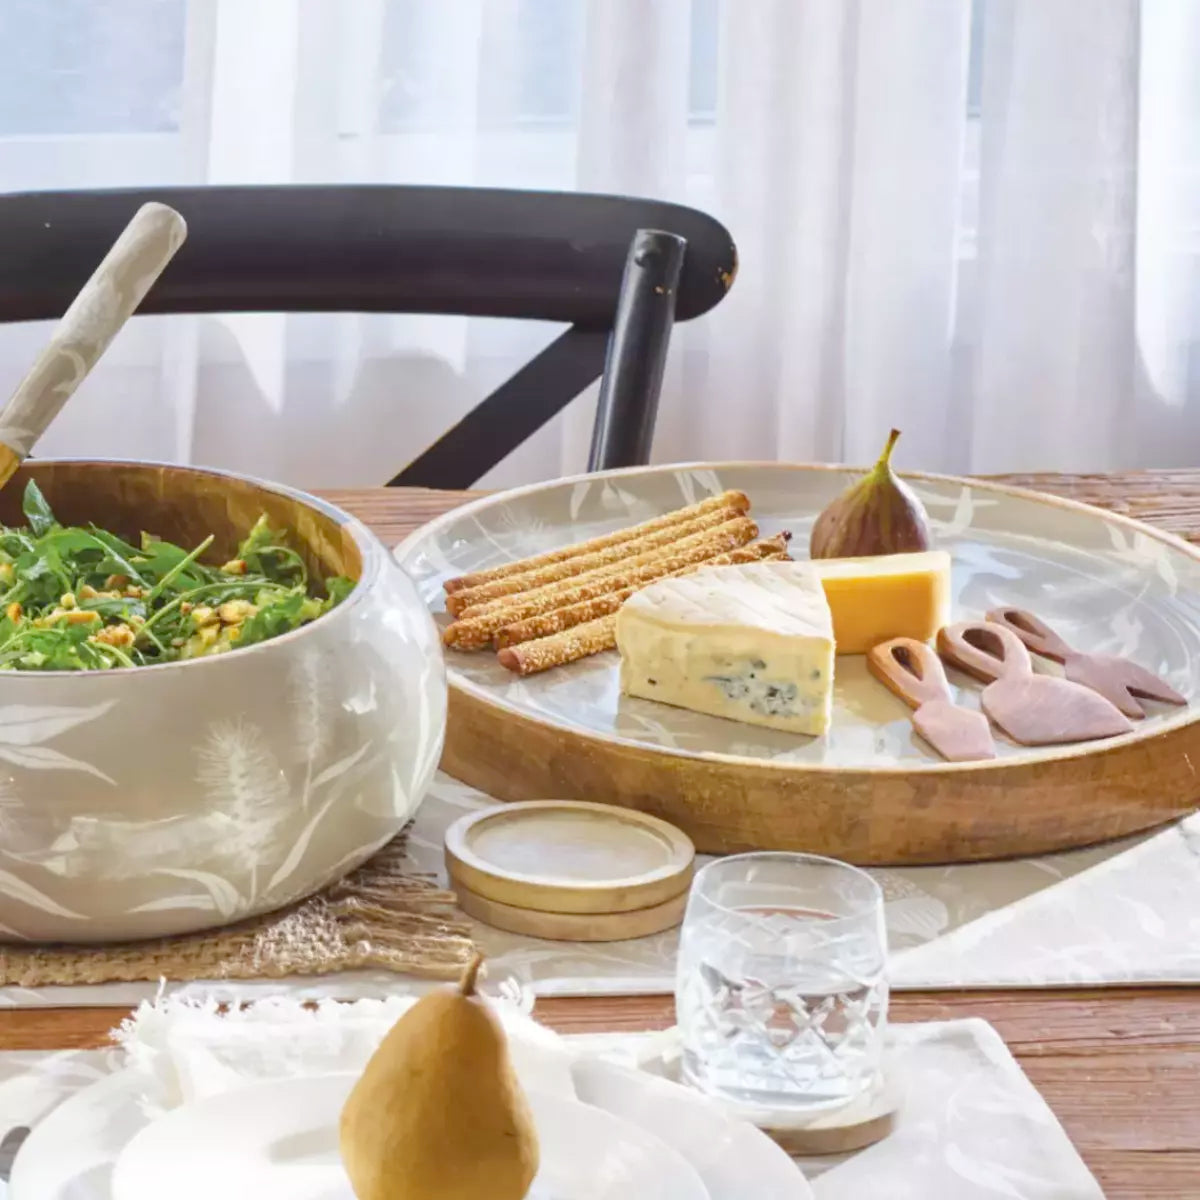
(381, 916)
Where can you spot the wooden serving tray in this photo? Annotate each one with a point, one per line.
(871, 791)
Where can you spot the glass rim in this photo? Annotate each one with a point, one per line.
(875, 904)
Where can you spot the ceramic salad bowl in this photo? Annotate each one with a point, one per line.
(157, 800)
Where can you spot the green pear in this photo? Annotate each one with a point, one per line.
(438, 1113)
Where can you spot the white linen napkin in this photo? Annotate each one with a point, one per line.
(970, 1125)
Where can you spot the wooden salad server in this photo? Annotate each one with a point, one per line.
(1035, 710)
(1118, 680)
(914, 672)
(105, 302)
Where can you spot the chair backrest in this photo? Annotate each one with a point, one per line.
(380, 248)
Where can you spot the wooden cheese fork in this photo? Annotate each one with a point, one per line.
(912, 670)
(1035, 710)
(1118, 680)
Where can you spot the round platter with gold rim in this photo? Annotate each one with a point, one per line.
(870, 790)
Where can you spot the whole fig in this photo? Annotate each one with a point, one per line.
(880, 514)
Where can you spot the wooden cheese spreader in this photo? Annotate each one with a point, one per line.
(912, 670)
(1117, 679)
(1035, 710)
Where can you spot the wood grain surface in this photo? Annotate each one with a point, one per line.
(1120, 1067)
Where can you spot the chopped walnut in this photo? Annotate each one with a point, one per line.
(235, 566)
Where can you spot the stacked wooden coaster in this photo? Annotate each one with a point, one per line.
(570, 871)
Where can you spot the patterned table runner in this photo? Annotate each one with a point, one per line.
(1108, 915)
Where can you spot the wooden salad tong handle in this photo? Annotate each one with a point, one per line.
(1035, 710)
(1118, 680)
(914, 672)
(105, 302)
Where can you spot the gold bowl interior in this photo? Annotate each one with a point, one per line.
(184, 505)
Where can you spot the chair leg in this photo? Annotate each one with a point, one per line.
(516, 409)
(637, 352)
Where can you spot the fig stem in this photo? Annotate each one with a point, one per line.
(466, 985)
(886, 456)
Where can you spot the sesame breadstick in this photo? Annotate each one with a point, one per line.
(592, 637)
(588, 610)
(740, 530)
(580, 641)
(679, 516)
(524, 581)
(475, 632)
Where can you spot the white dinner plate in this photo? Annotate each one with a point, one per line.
(732, 1157)
(70, 1155)
(278, 1140)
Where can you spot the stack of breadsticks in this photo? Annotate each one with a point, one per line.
(561, 606)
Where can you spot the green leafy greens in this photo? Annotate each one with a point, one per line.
(83, 599)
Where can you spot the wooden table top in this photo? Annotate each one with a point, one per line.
(1119, 1066)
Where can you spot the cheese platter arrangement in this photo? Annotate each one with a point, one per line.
(776, 656)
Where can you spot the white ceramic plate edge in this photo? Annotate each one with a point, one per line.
(280, 1138)
(732, 1157)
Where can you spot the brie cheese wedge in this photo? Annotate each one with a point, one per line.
(751, 642)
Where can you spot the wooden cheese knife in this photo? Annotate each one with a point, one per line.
(1119, 680)
(912, 670)
(1035, 710)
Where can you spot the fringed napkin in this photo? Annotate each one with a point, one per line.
(185, 1050)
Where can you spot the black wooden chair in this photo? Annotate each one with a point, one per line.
(617, 271)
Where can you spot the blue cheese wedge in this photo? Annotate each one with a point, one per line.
(752, 642)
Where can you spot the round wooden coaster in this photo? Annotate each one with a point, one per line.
(863, 1123)
(567, 856)
(571, 927)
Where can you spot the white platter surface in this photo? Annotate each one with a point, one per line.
(1104, 583)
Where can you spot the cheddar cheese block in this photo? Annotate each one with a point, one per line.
(751, 642)
(885, 596)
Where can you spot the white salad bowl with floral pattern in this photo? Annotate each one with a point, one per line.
(159, 800)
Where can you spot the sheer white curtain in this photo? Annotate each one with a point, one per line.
(978, 221)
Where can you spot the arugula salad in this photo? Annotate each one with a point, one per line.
(76, 598)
